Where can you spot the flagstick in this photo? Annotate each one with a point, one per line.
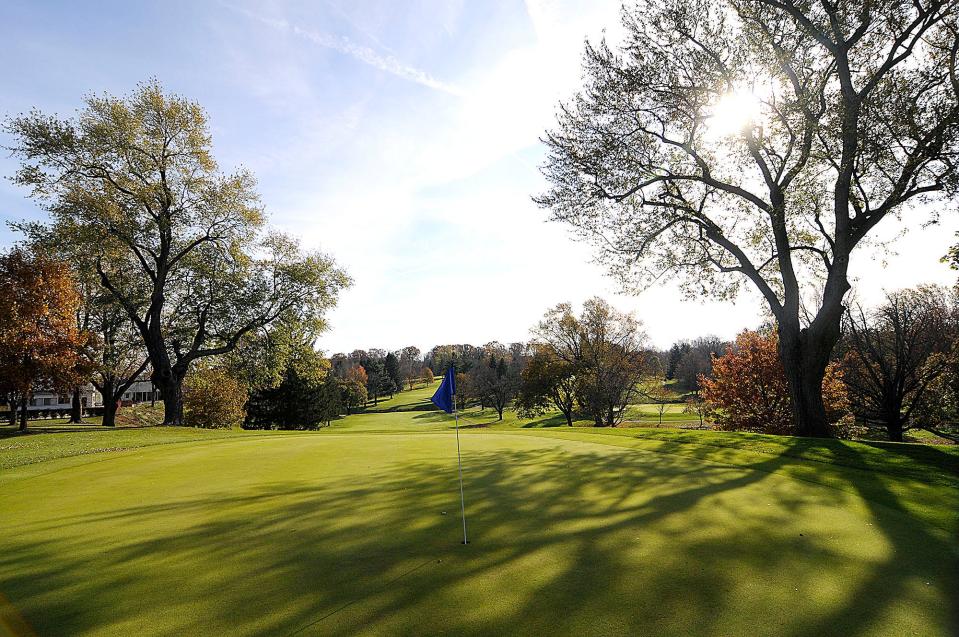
(459, 460)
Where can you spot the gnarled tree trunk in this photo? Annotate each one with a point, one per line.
(171, 391)
(108, 392)
(805, 354)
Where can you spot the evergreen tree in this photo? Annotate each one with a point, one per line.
(392, 364)
(330, 401)
(676, 354)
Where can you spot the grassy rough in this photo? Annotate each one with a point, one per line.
(354, 530)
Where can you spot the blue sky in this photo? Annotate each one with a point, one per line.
(401, 137)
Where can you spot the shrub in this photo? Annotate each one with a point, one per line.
(213, 399)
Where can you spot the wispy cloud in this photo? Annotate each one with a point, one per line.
(364, 54)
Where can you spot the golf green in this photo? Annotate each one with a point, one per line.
(360, 533)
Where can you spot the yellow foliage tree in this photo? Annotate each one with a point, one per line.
(214, 399)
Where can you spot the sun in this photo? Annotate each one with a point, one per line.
(733, 113)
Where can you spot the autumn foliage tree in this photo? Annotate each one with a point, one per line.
(427, 376)
(548, 380)
(749, 390)
(40, 344)
(597, 355)
(353, 387)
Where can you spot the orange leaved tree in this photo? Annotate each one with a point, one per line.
(40, 344)
(749, 390)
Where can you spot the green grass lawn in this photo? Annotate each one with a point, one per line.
(355, 530)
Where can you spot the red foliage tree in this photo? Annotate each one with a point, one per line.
(749, 390)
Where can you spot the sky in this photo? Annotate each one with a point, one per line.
(402, 138)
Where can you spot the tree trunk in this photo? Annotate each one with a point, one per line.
(894, 427)
(108, 391)
(166, 376)
(23, 412)
(169, 380)
(76, 409)
(804, 358)
(110, 413)
(14, 410)
(895, 431)
(173, 403)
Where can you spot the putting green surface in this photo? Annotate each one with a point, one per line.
(343, 533)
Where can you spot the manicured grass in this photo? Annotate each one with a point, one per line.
(41, 444)
(355, 530)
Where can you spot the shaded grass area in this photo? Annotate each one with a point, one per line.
(911, 478)
(358, 534)
(48, 443)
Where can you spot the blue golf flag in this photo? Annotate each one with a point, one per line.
(443, 398)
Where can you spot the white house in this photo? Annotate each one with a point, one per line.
(43, 400)
(141, 391)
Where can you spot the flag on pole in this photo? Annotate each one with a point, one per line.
(445, 399)
(445, 395)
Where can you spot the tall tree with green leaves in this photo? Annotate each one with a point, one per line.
(760, 142)
(548, 380)
(116, 357)
(134, 181)
(330, 400)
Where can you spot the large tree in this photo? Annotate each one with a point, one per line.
(548, 380)
(198, 269)
(116, 357)
(495, 380)
(300, 400)
(896, 353)
(760, 141)
(602, 349)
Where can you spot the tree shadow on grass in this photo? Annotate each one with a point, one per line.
(885, 580)
(6, 431)
(565, 541)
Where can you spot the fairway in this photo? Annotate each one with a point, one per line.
(343, 532)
